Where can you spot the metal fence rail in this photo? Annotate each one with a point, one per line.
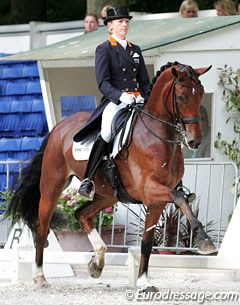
(215, 184)
(9, 170)
(211, 181)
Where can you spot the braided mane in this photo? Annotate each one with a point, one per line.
(159, 72)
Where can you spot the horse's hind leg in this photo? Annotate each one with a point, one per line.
(46, 209)
(85, 216)
(50, 194)
(203, 241)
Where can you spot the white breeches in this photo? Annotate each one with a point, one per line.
(107, 118)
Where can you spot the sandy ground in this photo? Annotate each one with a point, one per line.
(112, 288)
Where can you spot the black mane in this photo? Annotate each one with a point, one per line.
(158, 73)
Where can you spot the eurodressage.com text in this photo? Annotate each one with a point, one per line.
(168, 295)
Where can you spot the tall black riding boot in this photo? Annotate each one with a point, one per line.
(86, 190)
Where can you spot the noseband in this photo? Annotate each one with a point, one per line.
(177, 116)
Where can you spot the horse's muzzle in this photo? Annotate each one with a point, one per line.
(193, 144)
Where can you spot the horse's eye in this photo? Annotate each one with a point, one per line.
(181, 98)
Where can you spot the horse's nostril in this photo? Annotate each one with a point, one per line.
(193, 144)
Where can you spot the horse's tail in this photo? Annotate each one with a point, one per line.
(25, 200)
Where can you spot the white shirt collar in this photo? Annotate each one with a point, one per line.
(123, 42)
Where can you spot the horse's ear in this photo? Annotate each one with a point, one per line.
(201, 71)
(175, 72)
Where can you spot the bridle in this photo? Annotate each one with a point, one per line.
(177, 116)
(179, 122)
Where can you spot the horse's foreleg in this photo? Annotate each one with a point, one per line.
(203, 241)
(152, 217)
(95, 266)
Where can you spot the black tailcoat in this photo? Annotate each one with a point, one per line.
(117, 70)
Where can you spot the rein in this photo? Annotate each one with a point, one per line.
(178, 119)
(178, 124)
(174, 126)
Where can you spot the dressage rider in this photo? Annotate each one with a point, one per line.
(122, 79)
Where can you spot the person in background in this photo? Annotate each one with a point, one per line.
(225, 7)
(188, 9)
(104, 11)
(238, 7)
(90, 23)
(122, 78)
(203, 150)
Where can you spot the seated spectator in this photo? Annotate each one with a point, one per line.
(188, 9)
(203, 150)
(225, 7)
(238, 7)
(90, 23)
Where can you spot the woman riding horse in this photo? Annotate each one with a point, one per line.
(169, 118)
(122, 78)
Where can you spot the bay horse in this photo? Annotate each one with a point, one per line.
(150, 172)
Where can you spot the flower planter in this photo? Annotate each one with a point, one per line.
(78, 241)
(73, 241)
(165, 251)
(118, 239)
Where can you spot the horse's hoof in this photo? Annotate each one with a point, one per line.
(94, 270)
(41, 282)
(150, 289)
(206, 246)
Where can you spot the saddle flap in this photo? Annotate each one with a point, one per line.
(81, 150)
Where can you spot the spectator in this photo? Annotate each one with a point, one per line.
(225, 7)
(238, 7)
(188, 9)
(203, 150)
(104, 11)
(90, 23)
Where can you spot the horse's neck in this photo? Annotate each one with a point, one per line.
(159, 100)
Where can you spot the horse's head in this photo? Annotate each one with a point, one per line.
(187, 93)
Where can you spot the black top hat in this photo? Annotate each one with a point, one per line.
(116, 13)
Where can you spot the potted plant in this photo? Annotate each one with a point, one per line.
(70, 201)
(172, 230)
(229, 81)
(71, 237)
(5, 198)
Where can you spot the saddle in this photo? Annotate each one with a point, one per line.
(122, 128)
(119, 127)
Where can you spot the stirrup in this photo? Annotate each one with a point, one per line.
(85, 195)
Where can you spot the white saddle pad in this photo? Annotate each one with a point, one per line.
(81, 151)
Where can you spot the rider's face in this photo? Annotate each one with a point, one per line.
(119, 27)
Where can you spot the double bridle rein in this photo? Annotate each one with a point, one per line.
(179, 122)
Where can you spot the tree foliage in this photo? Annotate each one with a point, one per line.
(27, 10)
(95, 6)
(24, 11)
(229, 80)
